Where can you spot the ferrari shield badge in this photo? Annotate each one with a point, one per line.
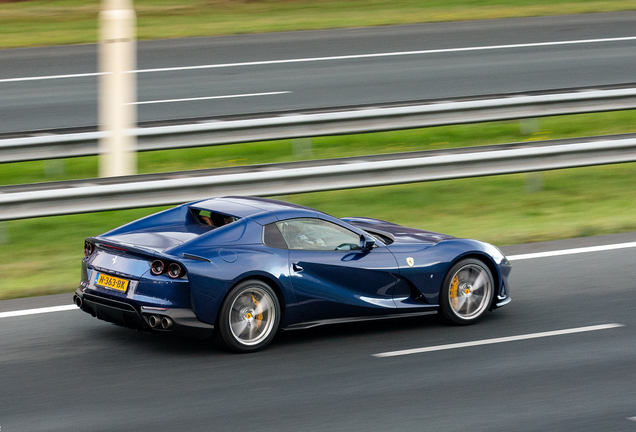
(410, 261)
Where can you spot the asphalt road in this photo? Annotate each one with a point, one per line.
(510, 56)
(66, 371)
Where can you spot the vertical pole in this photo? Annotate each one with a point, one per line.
(117, 88)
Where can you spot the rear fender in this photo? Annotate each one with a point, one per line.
(221, 269)
(290, 312)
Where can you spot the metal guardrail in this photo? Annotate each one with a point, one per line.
(505, 107)
(48, 199)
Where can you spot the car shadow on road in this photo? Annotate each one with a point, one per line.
(324, 337)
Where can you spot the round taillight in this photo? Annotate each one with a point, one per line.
(88, 249)
(156, 267)
(174, 270)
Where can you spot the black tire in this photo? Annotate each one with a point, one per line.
(467, 292)
(249, 316)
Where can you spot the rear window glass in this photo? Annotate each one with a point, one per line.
(212, 219)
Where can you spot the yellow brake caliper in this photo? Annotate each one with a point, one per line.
(453, 292)
(258, 318)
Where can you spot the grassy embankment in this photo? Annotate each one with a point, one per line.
(57, 22)
(41, 256)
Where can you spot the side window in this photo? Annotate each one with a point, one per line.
(317, 234)
(272, 237)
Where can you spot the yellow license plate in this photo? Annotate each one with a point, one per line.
(111, 282)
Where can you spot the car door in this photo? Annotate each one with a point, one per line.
(331, 276)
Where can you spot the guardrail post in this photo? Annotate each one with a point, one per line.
(301, 146)
(117, 88)
(4, 233)
(533, 182)
(529, 126)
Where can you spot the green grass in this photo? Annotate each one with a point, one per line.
(42, 256)
(56, 22)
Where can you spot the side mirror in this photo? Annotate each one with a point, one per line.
(366, 243)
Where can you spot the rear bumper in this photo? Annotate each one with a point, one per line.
(179, 320)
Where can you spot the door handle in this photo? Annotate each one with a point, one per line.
(296, 267)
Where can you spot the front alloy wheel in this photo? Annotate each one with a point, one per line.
(249, 316)
(467, 292)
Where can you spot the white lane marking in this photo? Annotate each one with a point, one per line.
(390, 54)
(50, 77)
(342, 57)
(631, 418)
(497, 340)
(211, 97)
(37, 311)
(571, 251)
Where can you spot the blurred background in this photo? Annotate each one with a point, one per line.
(49, 84)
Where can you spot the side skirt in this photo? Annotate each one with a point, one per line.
(311, 324)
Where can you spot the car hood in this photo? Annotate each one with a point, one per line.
(411, 235)
(398, 233)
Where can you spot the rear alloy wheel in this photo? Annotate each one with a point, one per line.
(249, 316)
(467, 292)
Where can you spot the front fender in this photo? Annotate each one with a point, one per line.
(430, 264)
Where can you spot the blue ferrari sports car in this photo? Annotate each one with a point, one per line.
(249, 267)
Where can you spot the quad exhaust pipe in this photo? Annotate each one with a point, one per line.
(153, 321)
(166, 323)
(160, 322)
